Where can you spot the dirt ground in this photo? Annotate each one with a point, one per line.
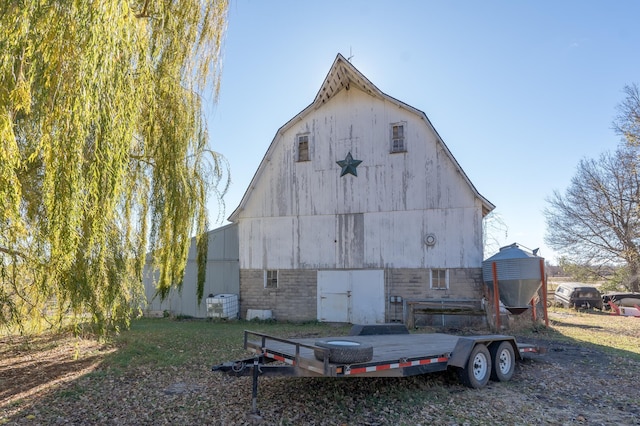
(570, 384)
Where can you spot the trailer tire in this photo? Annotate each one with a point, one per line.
(477, 371)
(504, 361)
(344, 351)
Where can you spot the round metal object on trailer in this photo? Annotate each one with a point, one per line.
(503, 365)
(344, 351)
(477, 372)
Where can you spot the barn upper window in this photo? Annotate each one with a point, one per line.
(303, 147)
(271, 279)
(397, 137)
(439, 279)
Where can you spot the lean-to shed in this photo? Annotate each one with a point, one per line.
(222, 277)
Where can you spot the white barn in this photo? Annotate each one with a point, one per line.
(356, 205)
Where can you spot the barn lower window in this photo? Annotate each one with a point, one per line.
(439, 279)
(271, 279)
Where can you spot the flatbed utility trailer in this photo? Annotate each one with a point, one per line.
(386, 350)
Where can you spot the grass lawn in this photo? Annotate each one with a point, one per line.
(164, 342)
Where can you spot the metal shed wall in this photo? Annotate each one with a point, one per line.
(223, 276)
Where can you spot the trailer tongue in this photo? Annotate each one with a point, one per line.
(477, 358)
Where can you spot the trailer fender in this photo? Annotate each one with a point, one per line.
(465, 345)
(461, 352)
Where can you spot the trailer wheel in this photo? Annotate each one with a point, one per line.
(344, 351)
(478, 369)
(503, 364)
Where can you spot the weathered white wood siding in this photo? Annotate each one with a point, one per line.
(304, 215)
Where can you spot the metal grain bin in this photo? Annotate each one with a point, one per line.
(519, 276)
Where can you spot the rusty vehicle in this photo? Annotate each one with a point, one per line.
(578, 296)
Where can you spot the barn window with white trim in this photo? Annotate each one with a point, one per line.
(303, 147)
(439, 279)
(397, 137)
(271, 279)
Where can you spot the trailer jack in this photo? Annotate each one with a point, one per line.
(254, 389)
(254, 367)
(241, 368)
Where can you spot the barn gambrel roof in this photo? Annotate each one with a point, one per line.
(343, 75)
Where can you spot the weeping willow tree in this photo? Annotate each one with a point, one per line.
(104, 152)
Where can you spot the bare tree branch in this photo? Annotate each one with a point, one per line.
(596, 223)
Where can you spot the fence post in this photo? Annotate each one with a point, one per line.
(496, 295)
(544, 294)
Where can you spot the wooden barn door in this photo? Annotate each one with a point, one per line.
(354, 296)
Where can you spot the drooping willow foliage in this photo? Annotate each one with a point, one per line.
(104, 152)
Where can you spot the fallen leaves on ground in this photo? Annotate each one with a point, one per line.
(64, 382)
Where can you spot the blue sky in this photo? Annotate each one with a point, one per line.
(520, 91)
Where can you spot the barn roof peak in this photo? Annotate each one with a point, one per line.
(343, 75)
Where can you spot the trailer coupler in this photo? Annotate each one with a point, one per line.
(245, 367)
(254, 367)
(238, 368)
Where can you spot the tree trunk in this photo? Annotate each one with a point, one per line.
(634, 278)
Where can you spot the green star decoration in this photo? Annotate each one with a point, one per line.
(349, 165)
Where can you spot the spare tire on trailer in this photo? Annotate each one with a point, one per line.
(344, 351)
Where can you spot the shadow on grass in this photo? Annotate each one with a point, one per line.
(57, 370)
(565, 335)
(33, 366)
(580, 326)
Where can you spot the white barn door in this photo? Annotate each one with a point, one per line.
(356, 297)
(334, 294)
(367, 299)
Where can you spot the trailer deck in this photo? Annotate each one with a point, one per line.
(393, 354)
(477, 358)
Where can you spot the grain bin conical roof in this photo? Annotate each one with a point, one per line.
(519, 275)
